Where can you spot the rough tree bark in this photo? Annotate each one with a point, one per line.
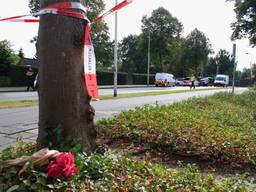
(63, 101)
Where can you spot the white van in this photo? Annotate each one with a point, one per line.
(221, 80)
(164, 79)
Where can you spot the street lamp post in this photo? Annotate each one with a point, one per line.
(115, 56)
(148, 59)
(217, 69)
(234, 67)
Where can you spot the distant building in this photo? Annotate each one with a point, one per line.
(29, 62)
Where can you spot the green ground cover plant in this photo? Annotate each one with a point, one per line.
(109, 172)
(220, 128)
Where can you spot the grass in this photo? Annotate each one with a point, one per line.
(17, 103)
(27, 103)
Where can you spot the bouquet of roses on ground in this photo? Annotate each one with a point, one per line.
(62, 166)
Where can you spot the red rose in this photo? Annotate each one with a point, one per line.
(62, 167)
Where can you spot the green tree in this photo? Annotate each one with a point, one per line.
(210, 68)
(164, 29)
(34, 5)
(246, 74)
(195, 52)
(245, 25)
(20, 56)
(133, 60)
(224, 62)
(221, 64)
(21, 53)
(6, 57)
(103, 46)
(175, 64)
(254, 70)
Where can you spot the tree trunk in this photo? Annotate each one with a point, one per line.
(63, 102)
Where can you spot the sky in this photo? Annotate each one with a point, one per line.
(212, 17)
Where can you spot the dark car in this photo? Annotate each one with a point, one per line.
(206, 81)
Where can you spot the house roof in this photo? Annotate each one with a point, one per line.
(29, 62)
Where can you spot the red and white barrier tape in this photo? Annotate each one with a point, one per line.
(90, 65)
(72, 9)
(116, 8)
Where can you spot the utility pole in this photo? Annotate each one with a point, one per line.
(234, 67)
(148, 59)
(217, 69)
(115, 56)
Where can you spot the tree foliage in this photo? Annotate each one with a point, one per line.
(195, 52)
(224, 61)
(34, 5)
(6, 57)
(131, 55)
(164, 29)
(245, 25)
(210, 68)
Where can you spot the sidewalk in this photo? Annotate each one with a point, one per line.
(24, 89)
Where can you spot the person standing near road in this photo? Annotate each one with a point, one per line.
(193, 79)
(29, 75)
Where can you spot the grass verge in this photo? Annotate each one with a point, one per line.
(27, 103)
(17, 103)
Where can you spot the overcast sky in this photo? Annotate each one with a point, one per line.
(212, 17)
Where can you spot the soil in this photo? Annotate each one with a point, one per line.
(173, 160)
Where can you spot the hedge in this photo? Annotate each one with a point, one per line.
(107, 78)
(5, 81)
(141, 79)
(17, 77)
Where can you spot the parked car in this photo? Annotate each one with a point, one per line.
(206, 81)
(164, 79)
(221, 80)
(179, 81)
(187, 81)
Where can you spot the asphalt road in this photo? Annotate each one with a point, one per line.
(23, 121)
(33, 94)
